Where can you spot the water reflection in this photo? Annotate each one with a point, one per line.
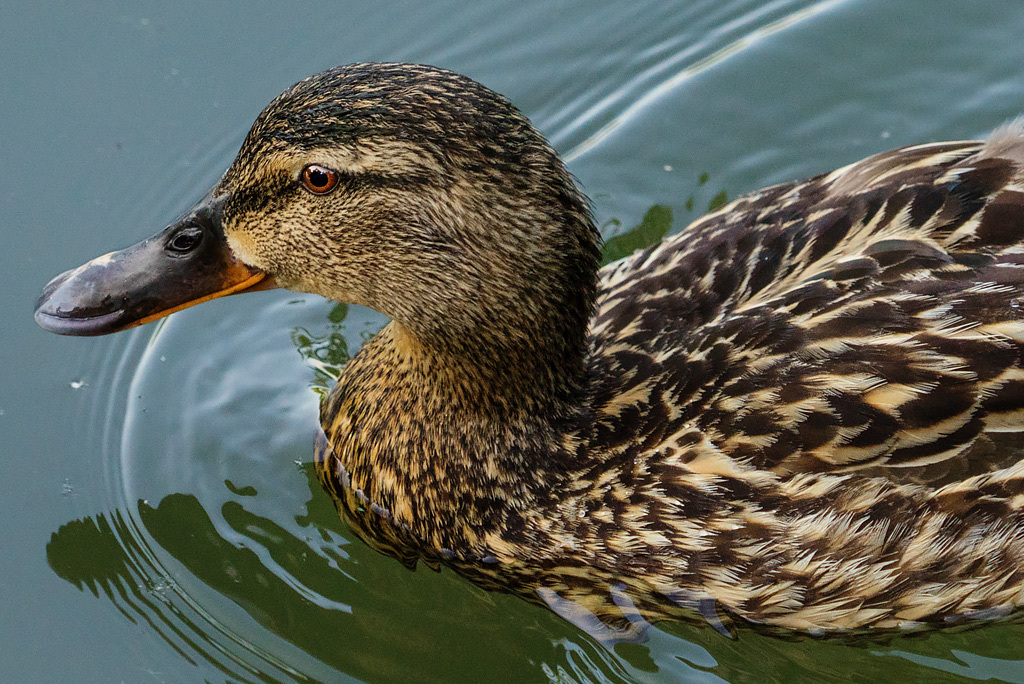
(327, 352)
(375, 622)
(337, 607)
(655, 225)
(107, 554)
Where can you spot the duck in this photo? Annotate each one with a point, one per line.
(804, 411)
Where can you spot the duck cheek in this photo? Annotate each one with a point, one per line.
(244, 247)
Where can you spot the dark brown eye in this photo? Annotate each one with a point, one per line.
(319, 179)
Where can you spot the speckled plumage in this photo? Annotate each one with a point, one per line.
(803, 411)
(793, 409)
(774, 396)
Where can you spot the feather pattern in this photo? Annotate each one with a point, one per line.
(869, 317)
(802, 408)
(805, 410)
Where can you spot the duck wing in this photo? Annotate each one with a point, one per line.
(870, 318)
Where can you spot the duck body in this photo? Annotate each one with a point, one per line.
(803, 410)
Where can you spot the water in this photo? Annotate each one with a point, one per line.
(161, 519)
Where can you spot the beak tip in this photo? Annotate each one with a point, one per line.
(80, 327)
(46, 320)
(56, 312)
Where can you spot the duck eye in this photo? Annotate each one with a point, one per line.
(318, 179)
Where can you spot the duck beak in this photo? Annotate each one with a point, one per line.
(186, 264)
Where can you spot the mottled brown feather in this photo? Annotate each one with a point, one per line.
(890, 324)
(803, 411)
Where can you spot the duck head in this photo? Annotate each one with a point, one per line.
(409, 189)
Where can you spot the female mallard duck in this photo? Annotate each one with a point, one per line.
(803, 409)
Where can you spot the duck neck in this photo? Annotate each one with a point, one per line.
(525, 350)
(454, 432)
(451, 450)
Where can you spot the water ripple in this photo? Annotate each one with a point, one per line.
(667, 73)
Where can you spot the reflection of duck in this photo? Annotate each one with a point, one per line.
(802, 408)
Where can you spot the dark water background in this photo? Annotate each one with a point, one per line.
(158, 517)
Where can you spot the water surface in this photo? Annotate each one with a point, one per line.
(161, 519)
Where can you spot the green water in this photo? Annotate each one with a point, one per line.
(160, 519)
